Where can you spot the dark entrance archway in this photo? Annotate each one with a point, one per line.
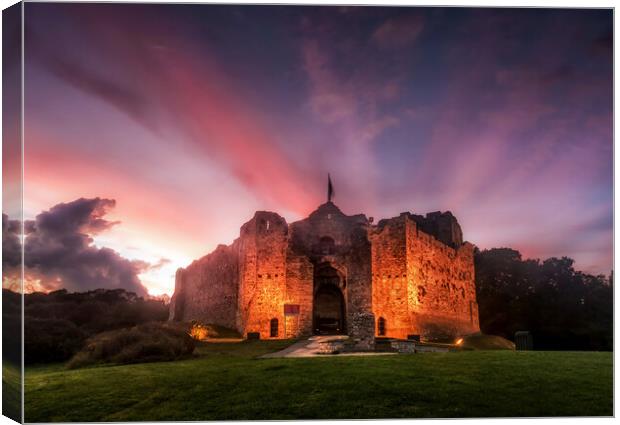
(329, 304)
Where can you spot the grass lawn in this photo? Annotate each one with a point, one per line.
(11, 391)
(227, 381)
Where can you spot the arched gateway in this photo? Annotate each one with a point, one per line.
(329, 309)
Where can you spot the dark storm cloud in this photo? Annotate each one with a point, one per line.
(11, 256)
(59, 250)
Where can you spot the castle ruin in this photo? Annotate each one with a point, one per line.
(331, 273)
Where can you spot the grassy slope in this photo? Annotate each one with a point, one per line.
(11, 391)
(227, 382)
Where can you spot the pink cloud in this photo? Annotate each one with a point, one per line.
(491, 138)
(175, 92)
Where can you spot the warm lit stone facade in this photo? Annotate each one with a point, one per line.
(333, 273)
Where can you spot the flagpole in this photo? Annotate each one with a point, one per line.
(330, 188)
(329, 183)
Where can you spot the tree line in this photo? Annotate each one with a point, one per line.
(563, 308)
(57, 324)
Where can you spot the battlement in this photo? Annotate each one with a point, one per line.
(265, 222)
(442, 226)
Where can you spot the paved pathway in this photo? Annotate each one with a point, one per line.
(310, 347)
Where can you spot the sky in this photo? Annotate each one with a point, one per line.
(153, 132)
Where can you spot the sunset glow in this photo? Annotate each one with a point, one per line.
(192, 117)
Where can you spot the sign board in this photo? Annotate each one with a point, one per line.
(291, 309)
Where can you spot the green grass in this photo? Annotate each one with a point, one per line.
(227, 381)
(11, 391)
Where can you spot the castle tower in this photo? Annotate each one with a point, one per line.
(262, 275)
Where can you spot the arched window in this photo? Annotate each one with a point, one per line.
(273, 325)
(327, 245)
(381, 326)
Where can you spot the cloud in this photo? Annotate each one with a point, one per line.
(83, 216)
(122, 97)
(329, 98)
(398, 32)
(158, 265)
(351, 106)
(174, 85)
(509, 118)
(479, 120)
(11, 256)
(59, 250)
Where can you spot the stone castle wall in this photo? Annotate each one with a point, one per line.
(206, 291)
(442, 293)
(415, 282)
(299, 284)
(389, 277)
(350, 254)
(262, 283)
(422, 286)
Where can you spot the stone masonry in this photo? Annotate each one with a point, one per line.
(336, 274)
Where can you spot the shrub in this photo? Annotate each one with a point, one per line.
(485, 342)
(148, 342)
(203, 332)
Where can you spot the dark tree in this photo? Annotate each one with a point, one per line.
(562, 307)
(57, 324)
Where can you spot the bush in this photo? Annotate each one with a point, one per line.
(203, 332)
(486, 342)
(150, 342)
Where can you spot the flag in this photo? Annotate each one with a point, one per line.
(330, 189)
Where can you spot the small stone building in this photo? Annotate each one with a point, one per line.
(331, 273)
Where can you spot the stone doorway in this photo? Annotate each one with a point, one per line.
(328, 303)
